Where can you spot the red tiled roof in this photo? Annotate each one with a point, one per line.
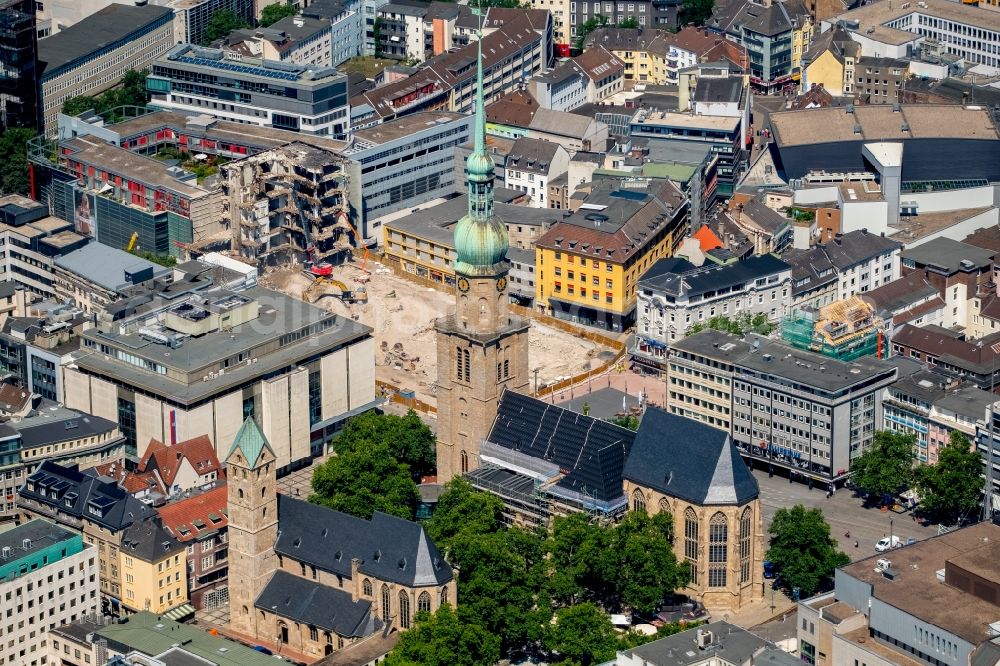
(14, 398)
(132, 482)
(167, 459)
(179, 517)
(707, 238)
(695, 40)
(597, 62)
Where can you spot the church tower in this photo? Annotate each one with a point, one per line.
(482, 348)
(251, 474)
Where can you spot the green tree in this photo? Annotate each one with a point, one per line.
(501, 571)
(14, 177)
(583, 634)
(629, 421)
(696, 11)
(463, 510)
(630, 564)
(446, 638)
(408, 438)
(220, 24)
(641, 563)
(498, 586)
(802, 548)
(130, 91)
(739, 325)
(589, 26)
(630, 23)
(366, 480)
(577, 547)
(886, 468)
(274, 13)
(950, 489)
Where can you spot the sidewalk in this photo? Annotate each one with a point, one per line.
(762, 612)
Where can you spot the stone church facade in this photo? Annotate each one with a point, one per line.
(693, 472)
(309, 580)
(483, 347)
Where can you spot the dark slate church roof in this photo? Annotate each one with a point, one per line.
(589, 452)
(389, 548)
(689, 460)
(309, 602)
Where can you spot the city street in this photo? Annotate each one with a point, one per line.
(844, 512)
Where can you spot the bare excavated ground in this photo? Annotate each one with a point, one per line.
(402, 315)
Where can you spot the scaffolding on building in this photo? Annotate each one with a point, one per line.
(845, 330)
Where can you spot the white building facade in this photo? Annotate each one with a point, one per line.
(48, 577)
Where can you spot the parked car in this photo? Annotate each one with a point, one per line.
(770, 569)
(888, 543)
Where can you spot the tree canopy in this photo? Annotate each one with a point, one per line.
(630, 22)
(14, 177)
(696, 11)
(511, 579)
(739, 325)
(629, 421)
(445, 638)
(409, 440)
(582, 634)
(589, 26)
(274, 13)
(365, 480)
(220, 24)
(949, 490)
(802, 549)
(886, 468)
(130, 92)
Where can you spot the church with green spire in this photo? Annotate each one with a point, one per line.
(482, 349)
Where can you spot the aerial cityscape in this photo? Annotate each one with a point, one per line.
(499, 332)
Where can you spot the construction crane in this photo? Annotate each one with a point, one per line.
(132, 241)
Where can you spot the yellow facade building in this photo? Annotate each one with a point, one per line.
(802, 37)
(153, 569)
(588, 265)
(830, 62)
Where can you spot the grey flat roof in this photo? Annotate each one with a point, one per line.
(736, 645)
(279, 314)
(947, 253)
(434, 223)
(105, 265)
(40, 533)
(401, 128)
(99, 30)
(776, 358)
(58, 424)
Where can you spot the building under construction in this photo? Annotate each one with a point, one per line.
(287, 205)
(845, 330)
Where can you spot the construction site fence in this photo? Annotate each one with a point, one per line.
(594, 336)
(397, 395)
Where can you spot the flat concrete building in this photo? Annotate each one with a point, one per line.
(786, 408)
(935, 142)
(253, 91)
(406, 162)
(932, 602)
(49, 576)
(93, 55)
(201, 363)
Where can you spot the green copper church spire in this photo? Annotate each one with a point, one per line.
(481, 240)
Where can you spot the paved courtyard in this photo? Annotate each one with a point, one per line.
(844, 512)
